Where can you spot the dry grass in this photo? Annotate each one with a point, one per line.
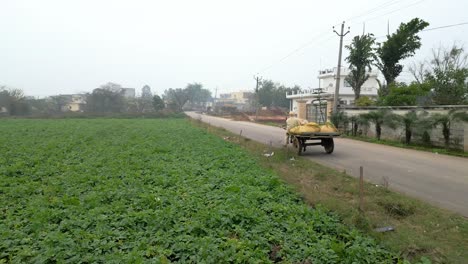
(420, 229)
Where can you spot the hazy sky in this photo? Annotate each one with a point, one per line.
(62, 46)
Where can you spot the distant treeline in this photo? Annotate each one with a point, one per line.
(107, 100)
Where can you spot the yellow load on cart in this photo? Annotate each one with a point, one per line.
(313, 128)
(328, 127)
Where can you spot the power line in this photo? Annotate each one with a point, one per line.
(447, 26)
(435, 28)
(316, 40)
(394, 11)
(319, 36)
(375, 9)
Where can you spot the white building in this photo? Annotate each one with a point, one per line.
(77, 103)
(327, 82)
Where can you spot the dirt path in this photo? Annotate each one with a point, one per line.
(439, 179)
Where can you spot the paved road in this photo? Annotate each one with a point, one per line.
(439, 179)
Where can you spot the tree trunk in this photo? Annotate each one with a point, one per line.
(408, 137)
(446, 133)
(378, 130)
(408, 134)
(355, 128)
(357, 94)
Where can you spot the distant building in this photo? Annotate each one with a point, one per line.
(327, 80)
(73, 102)
(240, 100)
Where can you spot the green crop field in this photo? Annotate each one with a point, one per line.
(146, 190)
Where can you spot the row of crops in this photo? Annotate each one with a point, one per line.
(132, 191)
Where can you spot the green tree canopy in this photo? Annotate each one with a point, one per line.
(448, 76)
(176, 98)
(105, 101)
(158, 103)
(197, 95)
(446, 121)
(398, 46)
(13, 101)
(360, 59)
(274, 94)
(401, 94)
(379, 118)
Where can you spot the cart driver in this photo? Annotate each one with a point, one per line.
(291, 122)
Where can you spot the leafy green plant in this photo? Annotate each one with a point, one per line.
(155, 190)
(414, 120)
(364, 101)
(379, 118)
(446, 121)
(356, 122)
(339, 119)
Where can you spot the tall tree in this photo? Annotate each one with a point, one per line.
(58, 103)
(13, 101)
(176, 98)
(105, 101)
(197, 95)
(265, 93)
(274, 94)
(158, 103)
(145, 102)
(360, 59)
(448, 75)
(146, 92)
(114, 87)
(398, 46)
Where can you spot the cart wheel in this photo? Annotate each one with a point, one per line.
(299, 147)
(328, 145)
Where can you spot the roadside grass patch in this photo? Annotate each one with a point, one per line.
(157, 191)
(398, 209)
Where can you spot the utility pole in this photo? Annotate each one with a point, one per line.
(257, 79)
(338, 70)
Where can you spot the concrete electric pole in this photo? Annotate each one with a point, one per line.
(338, 70)
(257, 97)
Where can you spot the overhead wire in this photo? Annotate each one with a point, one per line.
(373, 10)
(380, 7)
(447, 26)
(435, 28)
(319, 36)
(393, 11)
(309, 43)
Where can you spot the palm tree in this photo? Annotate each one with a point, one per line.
(379, 118)
(412, 120)
(339, 119)
(357, 121)
(446, 121)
